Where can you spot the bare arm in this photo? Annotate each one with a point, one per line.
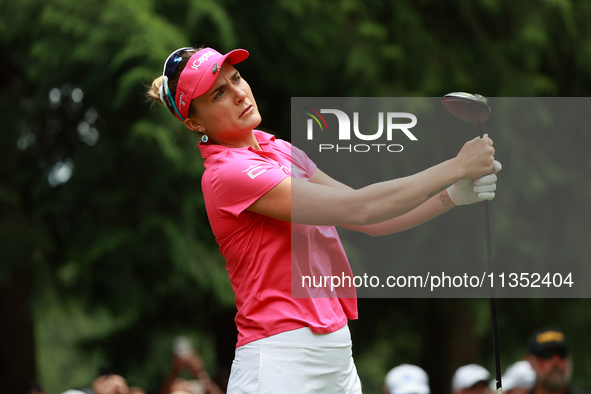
(430, 209)
(318, 204)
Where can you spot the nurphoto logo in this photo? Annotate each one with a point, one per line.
(393, 126)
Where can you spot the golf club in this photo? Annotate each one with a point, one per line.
(473, 108)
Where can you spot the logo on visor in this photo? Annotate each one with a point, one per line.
(181, 102)
(215, 68)
(202, 59)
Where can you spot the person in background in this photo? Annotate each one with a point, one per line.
(110, 384)
(519, 378)
(192, 363)
(35, 388)
(406, 379)
(470, 379)
(550, 359)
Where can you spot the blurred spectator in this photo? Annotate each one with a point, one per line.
(470, 379)
(110, 384)
(519, 378)
(192, 363)
(182, 386)
(406, 379)
(549, 357)
(35, 388)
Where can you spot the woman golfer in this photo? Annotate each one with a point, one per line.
(260, 193)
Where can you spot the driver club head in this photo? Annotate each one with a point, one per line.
(471, 108)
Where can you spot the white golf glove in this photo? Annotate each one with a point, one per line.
(469, 191)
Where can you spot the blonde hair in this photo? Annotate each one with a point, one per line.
(153, 92)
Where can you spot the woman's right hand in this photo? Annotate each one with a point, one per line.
(476, 157)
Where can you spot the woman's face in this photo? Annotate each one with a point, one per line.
(228, 111)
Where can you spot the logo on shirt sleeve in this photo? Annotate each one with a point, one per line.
(254, 170)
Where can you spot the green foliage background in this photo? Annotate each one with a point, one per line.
(122, 256)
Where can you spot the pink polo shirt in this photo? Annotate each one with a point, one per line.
(258, 249)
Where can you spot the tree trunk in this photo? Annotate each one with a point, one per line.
(17, 344)
(448, 332)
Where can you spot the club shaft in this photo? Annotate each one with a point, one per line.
(493, 308)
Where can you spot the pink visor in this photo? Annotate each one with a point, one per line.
(199, 75)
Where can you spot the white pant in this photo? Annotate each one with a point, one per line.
(296, 362)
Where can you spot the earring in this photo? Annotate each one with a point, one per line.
(204, 138)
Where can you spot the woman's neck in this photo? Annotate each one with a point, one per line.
(249, 140)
